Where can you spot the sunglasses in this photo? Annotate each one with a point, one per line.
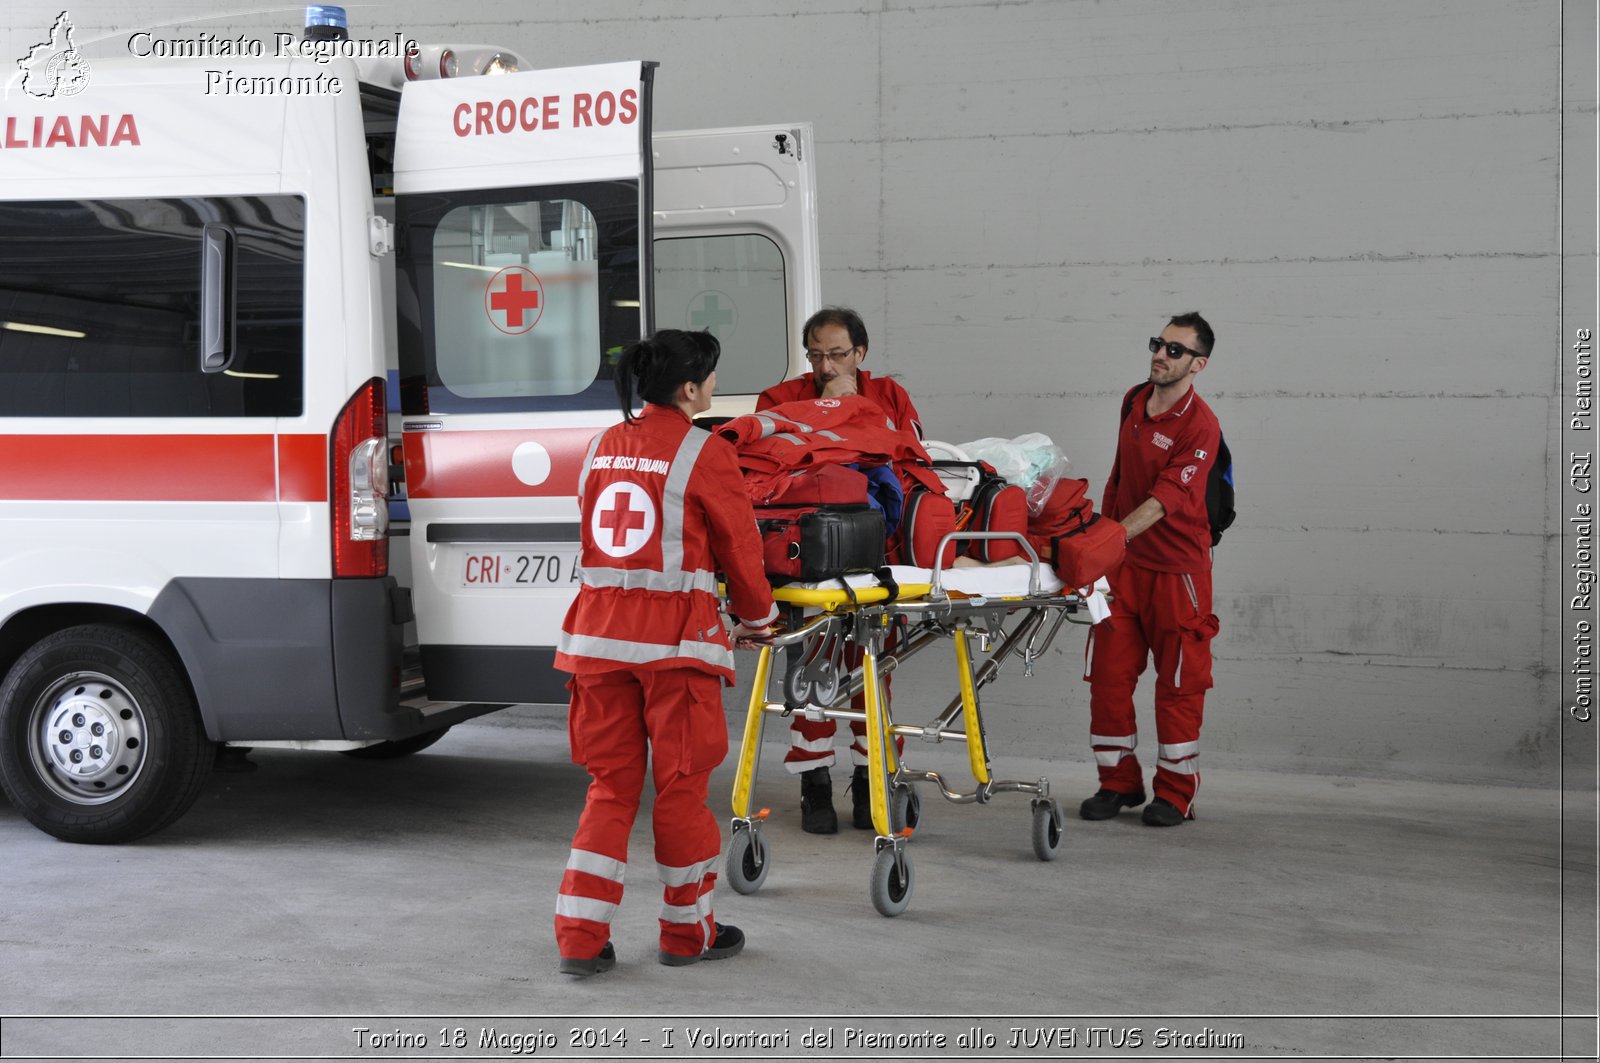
(1174, 350)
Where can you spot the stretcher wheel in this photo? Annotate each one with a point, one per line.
(905, 809)
(743, 852)
(1046, 833)
(891, 891)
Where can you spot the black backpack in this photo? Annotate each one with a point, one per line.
(1219, 482)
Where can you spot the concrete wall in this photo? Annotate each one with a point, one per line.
(1363, 197)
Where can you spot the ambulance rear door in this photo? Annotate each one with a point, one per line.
(736, 249)
(521, 236)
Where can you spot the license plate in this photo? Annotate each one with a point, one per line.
(537, 565)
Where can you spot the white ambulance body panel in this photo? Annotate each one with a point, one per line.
(196, 539)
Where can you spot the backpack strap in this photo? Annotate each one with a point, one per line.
(1127, 400)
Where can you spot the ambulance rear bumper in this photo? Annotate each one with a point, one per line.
(293, 659)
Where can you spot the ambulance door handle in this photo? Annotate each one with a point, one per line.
(217, 297)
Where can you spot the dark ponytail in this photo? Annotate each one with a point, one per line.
(656, 367)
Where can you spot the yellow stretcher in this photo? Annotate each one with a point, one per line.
(827, 628)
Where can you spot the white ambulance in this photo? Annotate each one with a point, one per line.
(295, 384)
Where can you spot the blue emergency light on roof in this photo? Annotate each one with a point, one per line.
(325, 21)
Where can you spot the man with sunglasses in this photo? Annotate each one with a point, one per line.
(1161, 595)
(835, 340)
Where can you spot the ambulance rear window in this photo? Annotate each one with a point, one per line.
(100, 308)
(516, 299)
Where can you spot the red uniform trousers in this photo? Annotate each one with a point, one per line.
(675, 713)
(1167, 615)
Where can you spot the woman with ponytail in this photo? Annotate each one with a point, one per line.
(663, 511)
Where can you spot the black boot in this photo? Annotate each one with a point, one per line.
(816, 803)
(860, 800)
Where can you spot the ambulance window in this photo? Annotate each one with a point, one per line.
(734, 286)
(511, 299)
(100, 307)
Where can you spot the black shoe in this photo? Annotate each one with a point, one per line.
(1163, 813)
(1107, 803)
(816, 803)
(728, 942)
(584, 968)
(860, 800)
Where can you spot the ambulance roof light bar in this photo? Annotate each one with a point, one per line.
(433, 61)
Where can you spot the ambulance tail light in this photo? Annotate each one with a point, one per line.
(360, 459)
(431, 61)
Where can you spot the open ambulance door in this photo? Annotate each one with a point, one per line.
(736, 249)
(524, 218)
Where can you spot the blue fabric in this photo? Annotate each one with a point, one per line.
(885, 494)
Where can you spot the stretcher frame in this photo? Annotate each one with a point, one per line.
(817, 683)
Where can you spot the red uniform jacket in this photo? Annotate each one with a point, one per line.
(664, 509)
(889, 395)
(1167, 458)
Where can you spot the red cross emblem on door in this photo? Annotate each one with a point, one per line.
(623, 520)
(514, 300)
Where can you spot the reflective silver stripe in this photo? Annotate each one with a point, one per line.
(682, 876)
(1181, 767)
(673, 499)
(680, 913)
(1178, 750)
(646, 579)
(1194, 599)
(810, 745)
(772, 614)
(643, 652)
(790, 437)
(769, 425)
(1110, 758)
(588, 459)
(835, 436)
(595, 864)
(1127, 741)
(584, 908)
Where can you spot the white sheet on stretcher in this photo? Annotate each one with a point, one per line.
(991, 581)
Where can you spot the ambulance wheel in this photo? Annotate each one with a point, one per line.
(1046, 832)
(400, 747)
(891, 888)
(905, 808)
(100, 738)
(743, 852)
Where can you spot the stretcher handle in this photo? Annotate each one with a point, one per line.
(800, 634)
(937, 590)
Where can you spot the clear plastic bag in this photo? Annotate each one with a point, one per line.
(1032, 462)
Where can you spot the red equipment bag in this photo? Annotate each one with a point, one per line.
(927, 519)
(997, 506)
(1080, 544)
(814, 543)
(818, 485)
(1087, 553)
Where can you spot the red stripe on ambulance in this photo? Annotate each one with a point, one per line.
(163, 468)
(479, 464)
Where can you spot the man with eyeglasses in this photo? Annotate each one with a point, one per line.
(835, 340)
(1161, 595)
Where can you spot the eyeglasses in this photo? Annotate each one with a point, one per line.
(818, 357)
(1174, 350)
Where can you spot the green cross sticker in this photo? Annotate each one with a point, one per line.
(713, 311)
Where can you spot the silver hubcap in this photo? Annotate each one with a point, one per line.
(87, 739)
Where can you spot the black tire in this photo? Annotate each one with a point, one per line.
(100, 738)
(891, 890)
(1046, 833)
(743, 874)
(905, 808)
(400, 747)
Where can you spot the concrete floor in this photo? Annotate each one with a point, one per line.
(1370, 917)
